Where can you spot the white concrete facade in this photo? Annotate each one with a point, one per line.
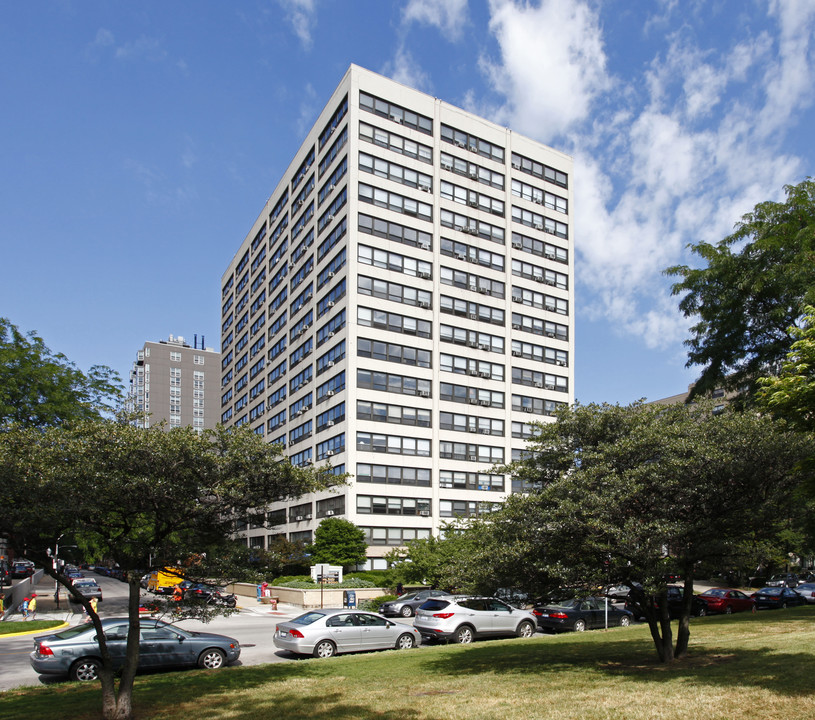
(402, 307)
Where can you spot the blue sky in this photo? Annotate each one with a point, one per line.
(139, 141)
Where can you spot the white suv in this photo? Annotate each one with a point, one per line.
(462, 619)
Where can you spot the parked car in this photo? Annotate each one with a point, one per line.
(783, 580)
(22, 569)
(405, 605)
(777, 597)
(330, 631)
(726, 600)
(580, 614)
(463, 619)
(88, 588)
(75, 651)
(807, 591)
(5, 575)
(617, 592)
(675, 596)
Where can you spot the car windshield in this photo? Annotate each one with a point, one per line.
(566, 604)
(407, 596)
(770, 591)
(716, 592)
(73, 632)
(308, 618)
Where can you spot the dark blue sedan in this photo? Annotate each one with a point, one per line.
(777, 597)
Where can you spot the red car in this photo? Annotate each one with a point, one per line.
(725, 600)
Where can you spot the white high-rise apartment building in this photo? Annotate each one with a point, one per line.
(403, 308)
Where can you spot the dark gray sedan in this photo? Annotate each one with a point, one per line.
(407, 604)
(75, 651)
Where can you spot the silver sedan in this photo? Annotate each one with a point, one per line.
(329, 631)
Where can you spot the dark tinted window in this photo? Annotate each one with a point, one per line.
(434, 605)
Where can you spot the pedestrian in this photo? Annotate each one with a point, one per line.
(178, 594)
(92, 602)
(32, 607)
(399, 588)
(23, 608)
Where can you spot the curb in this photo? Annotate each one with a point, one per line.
(41, 631)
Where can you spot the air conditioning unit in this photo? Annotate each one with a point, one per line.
(424, 275)
(424, 304)
(484, 291)
(562, 363)
(473, 203)
(473, 316)
(461, 144)
(550, 256)
(550, 308)
(484, 346)
(474, 174)
(425, 246)
(472, 343)
(527, 409)
(329, 218)
(550, 334)
(424, 393)
(517, 353)
(330, 304)
(473, 287)
(484, 431)
(292, 442)
(474, 372)
(550, 387)
(331, 187)
(329, 513)
(329, 453)
(472, 429)
(472, 229)
(517, 299)
(308, 516)
(516, 166)
(424, 513)
(300, 203)
(329, 393)
(447, 166)
(329, 275)
(549, 281)
(298, 518)
(426, 188)
(537, 201)
(538, 385)
(306, 463)
(331, 334)
(330, 423)
(396, 119)
(484, 374)
(473, 401)
(538, 278)
(538, 226)
(330, 363)
(461, 256)
(472, 458)
(485, 403)
(516, 326)
(517, 245)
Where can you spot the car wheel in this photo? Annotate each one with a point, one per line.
(324, 649)
(464, 635)
(212, 659)
(728, 610)
(702, 612)
(625, 621)
(406, 611)
(579, 625)
(526, 629)
(85, 670)
(405, 642)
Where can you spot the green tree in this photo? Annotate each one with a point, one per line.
(631, 493)
(338, 542)
(142, 498)
(750, 292)
(39, 387)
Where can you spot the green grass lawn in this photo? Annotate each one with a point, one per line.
(16, 626)
(759, 665)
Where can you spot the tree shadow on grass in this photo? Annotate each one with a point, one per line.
(724, 665)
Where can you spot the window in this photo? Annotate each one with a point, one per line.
(394, 322)
(536, 405)
(472, 253)
(462, 480)
(539, 170)
(472, 143)
(471, 310)
(396, 113)
(539, 353)
(332, 182)
(395, 444)
(539, 327)
(327, 274)
(397, 173)
(393, 352)
(472, 171)
(465, 508)
(389, 382)
(540, 222)
(327, 360)
(333, 123)
(393, 201)
(378, 505)
(393, 536)
(535, 378)
(332, 239)
(395, 232)
(331, 506)
(472, 198)
(395, 143)
(460, 422)
(328, 448)
(393, 475)
(540, 197)
(471, 338)
(470, 395)
(398, 414)
(333, 210)
(395, 292)
(175, 356)
(303, 169)
(394, 261)
(540, 274)
(333, 151)
(465, 280)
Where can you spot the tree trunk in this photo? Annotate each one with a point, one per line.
(683, 633)
(655, 611)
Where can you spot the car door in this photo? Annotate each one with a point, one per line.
(475, 612)
(116, 640)
(160, 645)
(375, 632)
(503, 619)
(344, 632)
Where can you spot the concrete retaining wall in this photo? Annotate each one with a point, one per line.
(331, 596)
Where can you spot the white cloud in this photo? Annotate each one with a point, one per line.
(449, 16)
(405, 69)
(553, 65)
(302, 15)
(663, 157)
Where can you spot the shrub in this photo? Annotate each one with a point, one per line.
(373, 604)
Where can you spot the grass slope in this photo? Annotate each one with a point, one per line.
(738, 666)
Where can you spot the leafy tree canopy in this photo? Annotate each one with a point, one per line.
(39, 387)
(632, 493)
(140, 498)
(339, 542)
(751, 290)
